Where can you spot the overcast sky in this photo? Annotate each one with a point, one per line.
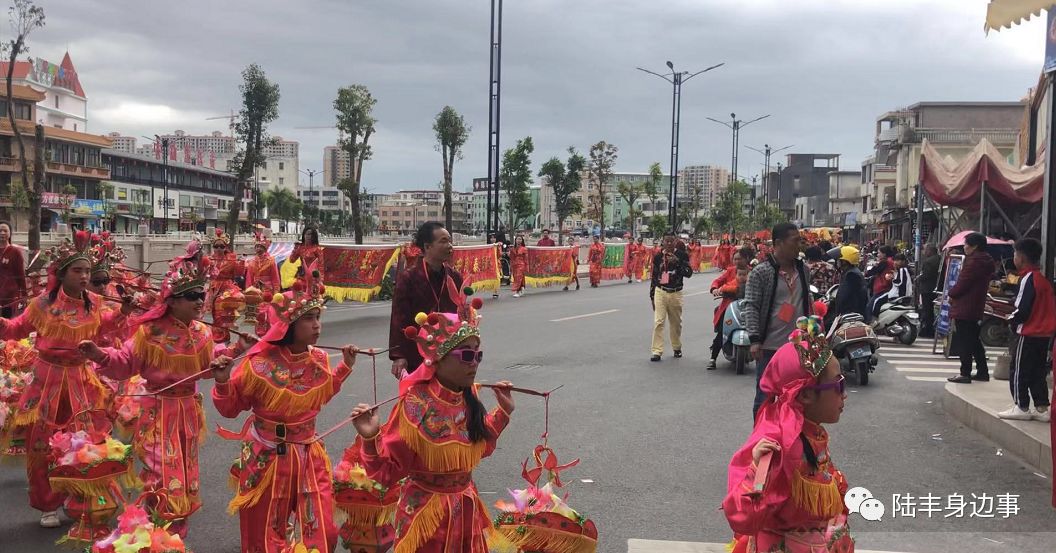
(824, 69)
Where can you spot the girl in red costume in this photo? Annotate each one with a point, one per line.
(518, 265)
(799, 508)
(223, 268)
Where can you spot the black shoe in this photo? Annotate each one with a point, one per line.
(960, 379)
(981, 378)
(655, 358)
(565, 288)
(712, 366)
(678, 354)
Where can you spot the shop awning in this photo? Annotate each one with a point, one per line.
(958, 184)
(1005, 13)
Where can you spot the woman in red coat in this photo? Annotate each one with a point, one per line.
(12, 274)
(729, 286)
(518, 265)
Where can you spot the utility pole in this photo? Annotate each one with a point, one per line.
(735, 125)
(494, 96)
(767, 152)
(676, 79)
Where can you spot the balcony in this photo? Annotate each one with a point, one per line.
(83, 171)
(10, 164)
(998, 137)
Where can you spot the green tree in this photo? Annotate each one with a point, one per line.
(283, 205)
(25, 17)
(651, 188)
(451, 135)
(768, 215)
(630, 192)
(260, 107)
(600, 169)
(728, 212)
(354, 106)
(514, 178)
(657, 224)
(565, 180)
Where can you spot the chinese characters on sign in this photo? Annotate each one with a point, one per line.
(982, 505)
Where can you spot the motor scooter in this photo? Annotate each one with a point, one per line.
(853, 343)
(735, 339)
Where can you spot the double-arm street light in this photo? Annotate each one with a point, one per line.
(736, 125)
(676, 79)
(767, 152)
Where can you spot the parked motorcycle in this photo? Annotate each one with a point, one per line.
(995, 332)
(853, 343)
(735, 340)
(899, 320)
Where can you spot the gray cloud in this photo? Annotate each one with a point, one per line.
(823, 69)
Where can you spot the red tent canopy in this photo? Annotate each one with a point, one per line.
(957, 184)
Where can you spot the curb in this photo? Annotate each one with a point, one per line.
(976, 406)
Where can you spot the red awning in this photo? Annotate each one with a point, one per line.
(957, 184)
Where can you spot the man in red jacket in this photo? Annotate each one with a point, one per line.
(967, 298)
(1034, 321)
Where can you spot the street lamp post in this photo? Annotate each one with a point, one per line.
(676, 79)
(311, 177)
(735, 125)
(766, 174)
(494, 96)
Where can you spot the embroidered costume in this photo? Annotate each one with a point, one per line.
(426, 440)
(596, 256)
(224, 299)
(65, 393)
(800, 508)
(262, 273)
(283, 470)
(170, 426)
(518, 266)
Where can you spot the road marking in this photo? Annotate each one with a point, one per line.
(926, 378)
(563, 319)
(927, 370)
(923, 362)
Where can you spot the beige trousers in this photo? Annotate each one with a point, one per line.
(668, 305)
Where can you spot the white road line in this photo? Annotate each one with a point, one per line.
(926, 378)
(950, 370)
(563, 319)
(951, 363)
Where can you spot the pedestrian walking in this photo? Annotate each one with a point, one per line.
(967, 298)
(518, 265)
(596, 256)
(573, 254)
(730, 287)
(670, 267)
(429, 286)
(778, 293)
(927, 282)
(12, 274)
(1034, 322)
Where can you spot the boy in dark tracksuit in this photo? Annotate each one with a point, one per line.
(1034, 322)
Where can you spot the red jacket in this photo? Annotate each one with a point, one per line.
(969, 294)
(1035, 314)
(12, 276)
(727, 283)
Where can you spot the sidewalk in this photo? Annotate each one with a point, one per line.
(656, 546)
(976, 406)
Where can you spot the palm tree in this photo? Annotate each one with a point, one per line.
(283, 205)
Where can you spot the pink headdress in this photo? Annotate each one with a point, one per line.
(194, 248)
(66, 253)
(795, 366)
(284, 310)
(182, 279)
(438, 334)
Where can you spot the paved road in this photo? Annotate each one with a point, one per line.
(654, 439)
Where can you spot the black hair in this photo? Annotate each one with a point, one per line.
(782, 230)
(668, 233)
(900, 257)
(747, 253)
(287, 339)
(815, 253)
(54, 293)
(426, 233)
(1031, 248)
(521, 238)
(315, 234)
(889, 251)
(475, 416)
(975, 240)
(808, 452)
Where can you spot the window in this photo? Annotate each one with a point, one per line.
(56, 102)
(122, 194)
(282, 167)
(23, 112)
(282, 181)
(264, 166)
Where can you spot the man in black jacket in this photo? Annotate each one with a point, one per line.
(852, 296)
(670, 266)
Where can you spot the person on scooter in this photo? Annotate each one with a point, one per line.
(879, 276)
(729, 286)
(901, 286)
(852, 295)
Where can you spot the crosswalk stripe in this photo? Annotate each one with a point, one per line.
(950, 370)
(926, 378)
(950, 363)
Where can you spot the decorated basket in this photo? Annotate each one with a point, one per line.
(231, 300)
(138, 532)
(366, 505)
(87, 467)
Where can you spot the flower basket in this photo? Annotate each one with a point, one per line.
(136, 532)
(87, 468)
(366, 505)
(559, 530)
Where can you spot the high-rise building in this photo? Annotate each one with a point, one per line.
(282, 148)
(122, 143)
(337, 165)
(216, 142)
(705, 182)
(64, 105)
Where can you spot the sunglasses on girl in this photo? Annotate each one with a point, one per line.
(838, 385)
(192, 296)
(468, 355)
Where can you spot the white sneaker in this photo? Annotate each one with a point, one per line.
(517, 295)
(1016, 414)
(1041, 416)
(50, 519)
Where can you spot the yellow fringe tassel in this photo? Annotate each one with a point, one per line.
(423, 526)
(178, 364)
(368, 515)
(361, 295)
(543, 282)
(82, 487)
(249, 498)
(274, 398)
(57, 327)
(448, 457)
(546, 539)
(820, 500)
(288, 272)
(27, 417)
(489, 285)
(232, 482)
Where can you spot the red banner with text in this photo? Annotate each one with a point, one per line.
(478, 265)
